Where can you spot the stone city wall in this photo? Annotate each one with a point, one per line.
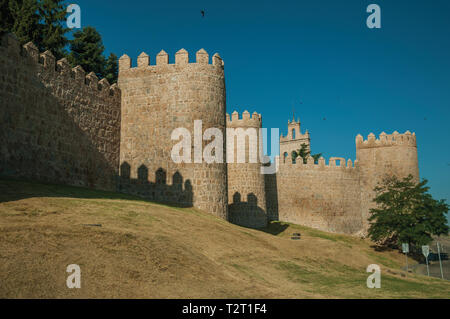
(325, 197)
(57, 124)
(157, 99)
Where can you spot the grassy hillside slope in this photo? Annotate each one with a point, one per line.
(148, 250)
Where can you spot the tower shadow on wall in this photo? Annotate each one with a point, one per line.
(179, 193)
(271, 190)
(247, 213)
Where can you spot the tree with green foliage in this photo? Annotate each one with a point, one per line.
(87, 50)
(53, 19)
(25, 17)
(111, 69)
(406, 213)
(6, 17)
(39, 21)
(304, 153)
(43, 23)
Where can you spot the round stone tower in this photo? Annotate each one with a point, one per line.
(156, 100)
(246, 191)
(391, 154)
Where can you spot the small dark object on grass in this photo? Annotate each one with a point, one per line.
(295, 238)
(96, 225)
(296, 234)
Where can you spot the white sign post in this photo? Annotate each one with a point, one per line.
(426, 252)
(405, 248)
(440, 262)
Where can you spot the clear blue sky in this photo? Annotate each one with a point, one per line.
(278, 53)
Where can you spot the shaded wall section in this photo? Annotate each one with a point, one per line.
(57, 124)
(271, 190)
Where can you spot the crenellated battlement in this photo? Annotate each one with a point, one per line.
(162, 59)
(47, 61)
(247, 119)
(384, 140)
(333, 163)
